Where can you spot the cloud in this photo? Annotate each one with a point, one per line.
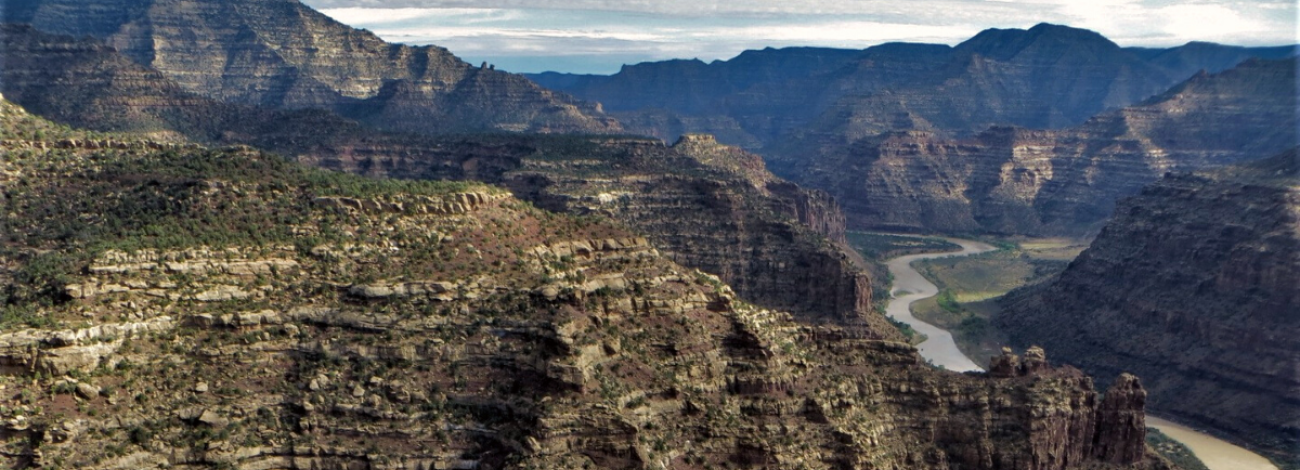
(513, 31)
(1207, 22)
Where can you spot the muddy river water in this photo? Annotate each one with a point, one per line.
(939, 348)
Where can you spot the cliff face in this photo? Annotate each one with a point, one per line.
(282, 54)
(86, 83)
(708, 206)
(224, 308)
(1063, 181)
(1192, 286)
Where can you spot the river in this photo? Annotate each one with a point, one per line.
(940, 349)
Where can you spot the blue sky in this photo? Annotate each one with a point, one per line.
(596, 36)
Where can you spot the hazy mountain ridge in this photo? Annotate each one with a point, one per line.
(1048, 76)
(1012, 180)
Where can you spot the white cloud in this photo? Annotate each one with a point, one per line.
(710, 29)
(1206, 22)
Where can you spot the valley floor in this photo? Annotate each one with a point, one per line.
(969, 287)
(963, 302)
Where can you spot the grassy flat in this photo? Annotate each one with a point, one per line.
(969, 287)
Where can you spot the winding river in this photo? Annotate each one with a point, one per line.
(940, 349)
(910, 286)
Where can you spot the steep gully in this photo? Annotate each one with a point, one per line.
(940, 349)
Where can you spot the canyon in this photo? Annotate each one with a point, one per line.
(506, 283)
(364, 315)
(1031, 132)
(1191, 286)
(1054, 182)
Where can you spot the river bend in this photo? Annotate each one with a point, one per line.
(940, 349)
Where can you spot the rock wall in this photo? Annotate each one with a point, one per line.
(282, 54)
(708, 206)
(1192, 286)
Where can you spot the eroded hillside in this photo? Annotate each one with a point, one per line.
(714, 207)
(183, 307)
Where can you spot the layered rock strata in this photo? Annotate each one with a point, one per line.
(762, 234)
(709, 206)
(283, 54)
(364, 323)
(1192, 286)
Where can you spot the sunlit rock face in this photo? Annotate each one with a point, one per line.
(282, 54)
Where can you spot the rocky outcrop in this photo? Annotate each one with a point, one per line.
(564, 341)
(1114, 434)
(284, 55)
(1192, 286)
(1121, 416)
(717, 209)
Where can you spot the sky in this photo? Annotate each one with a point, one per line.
(599, 36)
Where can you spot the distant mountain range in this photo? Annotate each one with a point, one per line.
(1048, 76)
(1060, 181)
(1032, 131)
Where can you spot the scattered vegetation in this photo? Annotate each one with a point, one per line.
(879, 247)
(1173, 450)
(970, 286)
(68, 205)
(912, 335)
